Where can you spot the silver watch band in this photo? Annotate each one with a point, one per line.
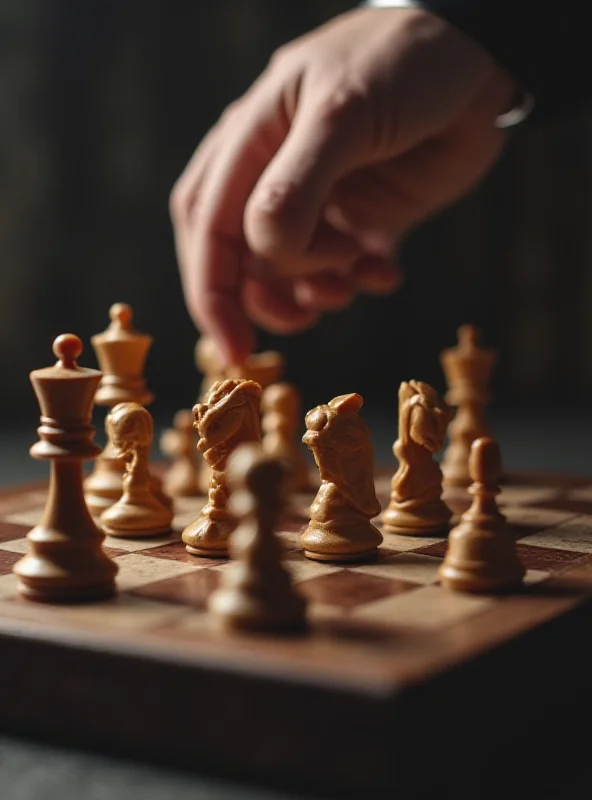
(510, 118)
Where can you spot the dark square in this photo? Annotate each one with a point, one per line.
(191, 589)
(7, 561)
(348, 589)
(546, 559)
(10, 530)
(176, 551)
(437, 550)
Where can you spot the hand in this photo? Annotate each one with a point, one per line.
(296, 199)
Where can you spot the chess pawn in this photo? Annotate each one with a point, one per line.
(467, 368)
(280, 407)
(65, 561)
(228, 417)
(138, 512)
(416, 506)
(340, 528)
(482, 556)
(256, 593)
(121, 352)
(179, 444)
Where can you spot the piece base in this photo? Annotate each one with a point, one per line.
(204, 551)
(437, 530)
(469, 583)
(365, 555)
(139, 534)
(60, 595)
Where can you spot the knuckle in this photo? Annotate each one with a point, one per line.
(280, 56)
(230, 112)
(344, 101)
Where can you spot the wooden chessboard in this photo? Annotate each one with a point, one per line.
(394, 670)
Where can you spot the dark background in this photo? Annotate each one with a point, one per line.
(104, 102)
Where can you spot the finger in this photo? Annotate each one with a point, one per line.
(217, 250)
(284, 215)
(326, 291)
(373, 274)
(272, 305)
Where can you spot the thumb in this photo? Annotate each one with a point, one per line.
(284, 217)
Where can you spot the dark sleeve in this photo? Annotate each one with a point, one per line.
(544, 45)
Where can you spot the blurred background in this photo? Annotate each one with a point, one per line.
(103, 104)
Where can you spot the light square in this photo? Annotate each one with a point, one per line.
(16, 546)
(136, 569)
(133, 545)
(395, 541)
(574, 535)
(526, 495)
(29, 517)
(535, 517)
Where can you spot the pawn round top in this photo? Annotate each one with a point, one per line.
(485, 463)
(121, 313)
(67, 348)
(468, 336)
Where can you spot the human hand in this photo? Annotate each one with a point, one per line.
(296, 199)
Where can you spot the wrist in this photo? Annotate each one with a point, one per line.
(521, 104)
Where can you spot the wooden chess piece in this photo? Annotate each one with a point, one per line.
(179, 443)
(467, 368)
(416, 506)
(482, 556)
(280, 423)
(65, 560)
(340, 528)
(121, 352)
(229, 417)
(257, 593)
(264, 368)
(138, 512)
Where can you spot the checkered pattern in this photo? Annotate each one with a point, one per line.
(161, 586)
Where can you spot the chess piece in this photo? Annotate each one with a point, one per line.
(340, 528)
(482, 556)
(468, 368)
(416, 506)
(256, 593)
(228, 417)
(65, 561)
(280, 407)
(138, 512)
(264, 368)
(121, 352)
(179, 443)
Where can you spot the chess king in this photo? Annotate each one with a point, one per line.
(340, 528)
(65, 561)
(229, 416)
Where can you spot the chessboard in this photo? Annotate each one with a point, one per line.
(394, 673)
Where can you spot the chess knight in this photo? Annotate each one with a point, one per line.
(228, 417)
(416, 505)
(340, 528)
(139, 511)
